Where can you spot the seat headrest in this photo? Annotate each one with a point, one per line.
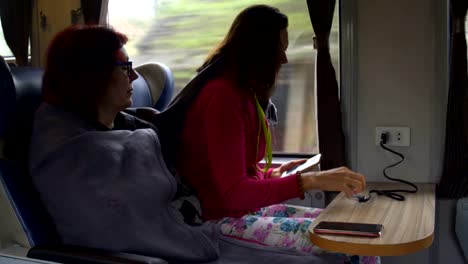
(141, 96)
(20, 93)
(20, 97)
(160, 81)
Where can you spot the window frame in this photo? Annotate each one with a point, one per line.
(441, 47)
(349, 69)
(11, 59)
(348, 95)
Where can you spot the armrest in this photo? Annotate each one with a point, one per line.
(75, 254)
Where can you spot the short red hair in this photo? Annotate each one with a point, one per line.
(80, 61)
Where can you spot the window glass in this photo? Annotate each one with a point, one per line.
(4, 49)
(180, 34)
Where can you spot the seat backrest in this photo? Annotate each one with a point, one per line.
(170, 121)
(24, 220)
(154, 86)
(461, 229)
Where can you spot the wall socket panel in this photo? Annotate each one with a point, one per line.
(397, 136)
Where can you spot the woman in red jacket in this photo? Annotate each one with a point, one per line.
(226, 134)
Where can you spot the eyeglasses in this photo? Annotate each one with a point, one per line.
(126, 66)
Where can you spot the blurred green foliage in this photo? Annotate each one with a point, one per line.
(201, 24)
(182, 32)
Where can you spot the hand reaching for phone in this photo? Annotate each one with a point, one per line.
(339, 179)
(277, 172)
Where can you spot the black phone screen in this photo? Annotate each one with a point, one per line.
(355, 227)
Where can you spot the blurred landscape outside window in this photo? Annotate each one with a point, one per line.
(181, 33)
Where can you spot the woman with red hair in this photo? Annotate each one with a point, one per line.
(99, 171)
(87, 72)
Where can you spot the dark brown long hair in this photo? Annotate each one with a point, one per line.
(252, 48)
(79, 66)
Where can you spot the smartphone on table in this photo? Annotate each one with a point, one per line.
(349, 229)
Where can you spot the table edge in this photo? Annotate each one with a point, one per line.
(372, 249)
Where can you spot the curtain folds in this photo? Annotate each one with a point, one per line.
(454, 180)
(329, 119)
(16, 18)
(104, 12)
(91, 11)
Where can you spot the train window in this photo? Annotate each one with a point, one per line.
(180, 33)
(4, 49)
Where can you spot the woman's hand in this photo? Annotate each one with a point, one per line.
(277, 172)
(339, 179)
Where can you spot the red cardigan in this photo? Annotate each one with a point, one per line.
(217, 156)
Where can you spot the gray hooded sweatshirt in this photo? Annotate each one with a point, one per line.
(112, 190)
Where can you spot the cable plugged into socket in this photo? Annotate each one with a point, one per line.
(393, 136)
(384, 137)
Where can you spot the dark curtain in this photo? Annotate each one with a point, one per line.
(330, 131)
(91, 11)
(16, 18)
(454, 180)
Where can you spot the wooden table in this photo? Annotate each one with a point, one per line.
(408, 225)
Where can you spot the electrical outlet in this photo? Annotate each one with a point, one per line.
(396, 136)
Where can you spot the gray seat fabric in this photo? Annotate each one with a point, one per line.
(461, 227)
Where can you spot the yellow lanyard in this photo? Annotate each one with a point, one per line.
(266, 132)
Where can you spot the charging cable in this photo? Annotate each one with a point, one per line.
(394, 194)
